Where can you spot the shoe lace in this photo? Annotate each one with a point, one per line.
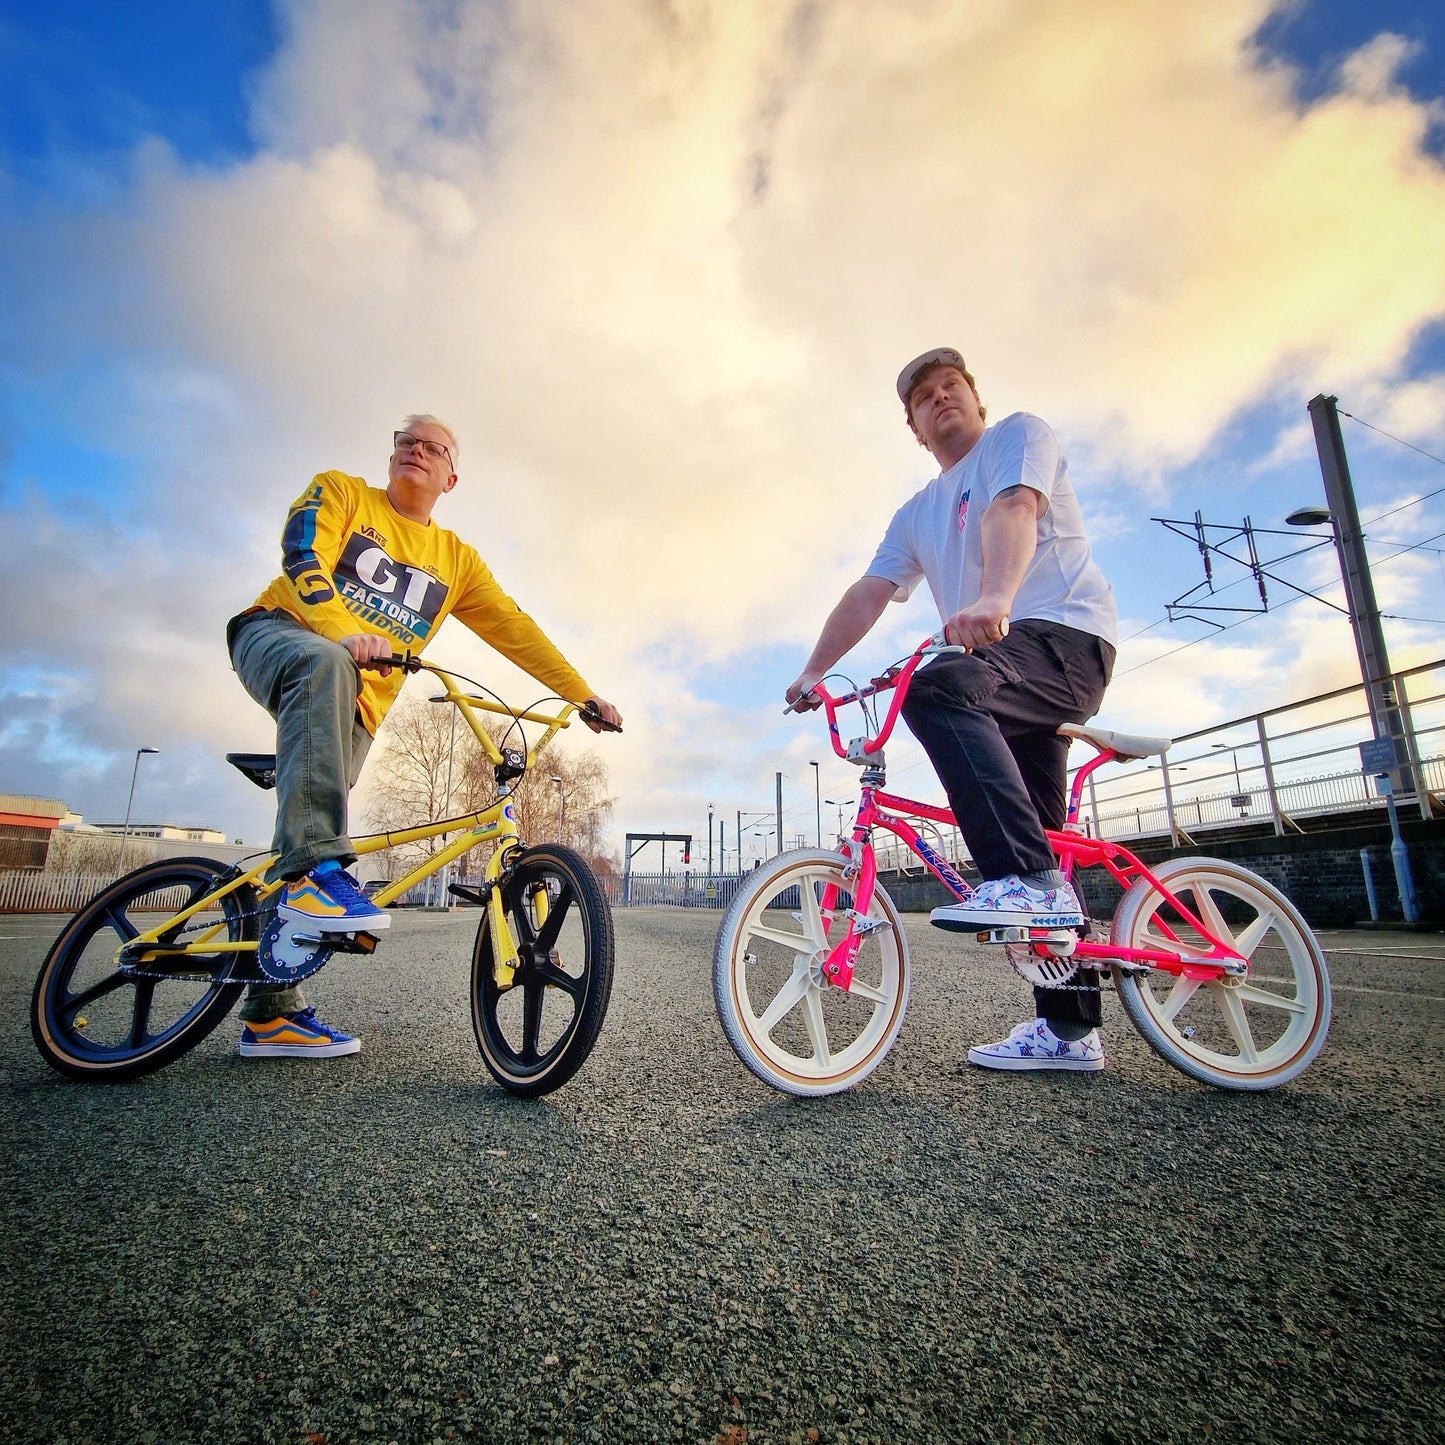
(344, 889)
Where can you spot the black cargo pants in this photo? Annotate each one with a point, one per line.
(988, 721)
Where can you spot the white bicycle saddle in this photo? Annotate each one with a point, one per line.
(1126, 745)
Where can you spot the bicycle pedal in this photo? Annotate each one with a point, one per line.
(1054, 942)
(353, 943)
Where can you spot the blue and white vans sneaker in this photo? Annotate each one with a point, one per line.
(329, 899)
(1011, 903)
(1034, 1045)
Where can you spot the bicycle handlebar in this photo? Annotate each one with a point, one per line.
(898, 678)
(466, 701)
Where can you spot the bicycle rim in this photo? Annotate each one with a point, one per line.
(788, 1027)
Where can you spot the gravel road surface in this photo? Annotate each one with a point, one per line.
(388, 1248)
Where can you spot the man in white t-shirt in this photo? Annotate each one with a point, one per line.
(999, 538)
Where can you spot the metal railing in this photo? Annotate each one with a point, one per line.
(1277, 767)
(37, 892)
(695, 889)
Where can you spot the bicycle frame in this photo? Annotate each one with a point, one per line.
(879, 809)
(496, 824)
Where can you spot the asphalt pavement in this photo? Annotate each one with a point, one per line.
(389, 1248)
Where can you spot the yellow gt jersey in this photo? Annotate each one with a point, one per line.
(351, 563)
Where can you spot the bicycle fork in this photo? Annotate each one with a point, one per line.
(838, 966)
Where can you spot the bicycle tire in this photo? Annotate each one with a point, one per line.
(1251, 1033)
(93, 1020)
(537, 1032)
(752, 959)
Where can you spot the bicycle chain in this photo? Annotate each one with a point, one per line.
(256, 975)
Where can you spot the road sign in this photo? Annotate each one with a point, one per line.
(1378, 756)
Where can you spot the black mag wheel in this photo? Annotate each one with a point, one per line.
(537, 1031)
(95, 1016)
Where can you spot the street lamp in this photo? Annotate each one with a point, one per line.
(446, 875)
(1233, 753)
(817, 801)
(840, 804)
(125, 830)
(1240, 799)
(1343, 516)
(561, 804)
(709, 840)
(1386, 719)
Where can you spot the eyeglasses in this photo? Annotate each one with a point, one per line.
(404, 442)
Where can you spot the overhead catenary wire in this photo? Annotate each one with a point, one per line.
(1381, 430)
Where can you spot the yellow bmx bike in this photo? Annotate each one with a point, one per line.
(154, 962)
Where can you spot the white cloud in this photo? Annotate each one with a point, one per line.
(657, 265)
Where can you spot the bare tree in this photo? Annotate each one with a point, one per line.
(410, 786)
(562, 796)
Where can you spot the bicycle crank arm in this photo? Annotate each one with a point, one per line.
(478, 896)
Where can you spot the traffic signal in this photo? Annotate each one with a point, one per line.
(687, 851)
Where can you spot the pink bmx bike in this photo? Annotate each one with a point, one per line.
(1214, 966)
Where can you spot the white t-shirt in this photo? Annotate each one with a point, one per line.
(937, 534)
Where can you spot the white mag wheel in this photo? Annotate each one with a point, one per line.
(788, 1026)
(1254, 1032)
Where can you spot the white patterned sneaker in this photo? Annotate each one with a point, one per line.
(1034, 1045)
(1010, 902)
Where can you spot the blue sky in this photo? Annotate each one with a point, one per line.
(245, 239)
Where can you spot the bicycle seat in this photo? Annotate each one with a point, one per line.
(1124, 745)
(259, 767)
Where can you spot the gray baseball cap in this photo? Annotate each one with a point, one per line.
(939, 356)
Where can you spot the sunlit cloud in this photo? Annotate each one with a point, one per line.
(658, 266)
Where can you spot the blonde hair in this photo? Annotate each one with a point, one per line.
(428, 420)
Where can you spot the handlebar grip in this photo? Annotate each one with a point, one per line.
(939, 642)
(591, 715)
(404, 660)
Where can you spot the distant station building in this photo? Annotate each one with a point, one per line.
(26, 828)
(164, 832)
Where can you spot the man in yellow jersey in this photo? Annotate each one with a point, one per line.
(365, 573)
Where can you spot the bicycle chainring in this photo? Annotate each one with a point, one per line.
(287, 952)
(1046, 971)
